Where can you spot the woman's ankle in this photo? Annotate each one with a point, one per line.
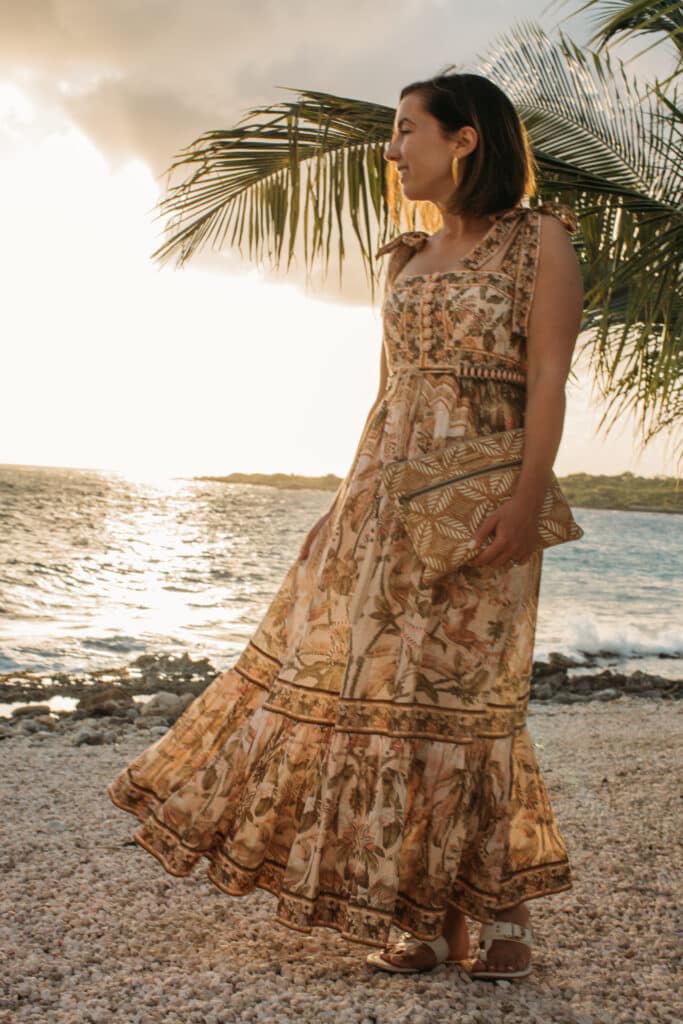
(456, 933)
(518, 914)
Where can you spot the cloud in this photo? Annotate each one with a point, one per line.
(143, 81)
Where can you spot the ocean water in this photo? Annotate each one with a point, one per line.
(97, 568)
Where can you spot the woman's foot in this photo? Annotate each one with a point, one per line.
(504, 954)
(422, 957)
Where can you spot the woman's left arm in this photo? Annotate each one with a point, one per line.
(554, 323)
(553, 327)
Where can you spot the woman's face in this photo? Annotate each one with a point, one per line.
(422, 155)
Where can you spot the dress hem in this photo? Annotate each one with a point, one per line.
(330, 910)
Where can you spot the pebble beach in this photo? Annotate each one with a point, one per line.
(94, 930)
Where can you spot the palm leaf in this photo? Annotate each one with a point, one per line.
(627, 18)
(316, 158)
(612, 148)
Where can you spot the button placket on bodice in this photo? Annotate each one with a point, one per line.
(427, 314)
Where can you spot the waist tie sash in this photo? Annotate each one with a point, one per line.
(467, 370)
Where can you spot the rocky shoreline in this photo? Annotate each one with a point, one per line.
(106, 701)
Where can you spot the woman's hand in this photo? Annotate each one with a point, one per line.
(515, 528)
(310, 536)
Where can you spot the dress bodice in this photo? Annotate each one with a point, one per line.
(471, 320)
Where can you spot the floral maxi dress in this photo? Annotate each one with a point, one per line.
(366, 758)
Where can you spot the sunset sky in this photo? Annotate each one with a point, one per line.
(111, 360)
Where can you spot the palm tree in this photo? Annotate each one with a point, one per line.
(619, 148)
(640, 367)
(627, 18)
(605, 144)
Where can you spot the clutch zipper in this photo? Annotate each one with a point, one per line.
(462, 476)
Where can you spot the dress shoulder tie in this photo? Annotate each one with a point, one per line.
(413, 239)
(564, 213)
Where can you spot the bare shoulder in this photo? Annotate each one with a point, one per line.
(556, 251)
(555, 231)
(557, 306)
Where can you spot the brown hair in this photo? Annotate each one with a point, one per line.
(501, 170)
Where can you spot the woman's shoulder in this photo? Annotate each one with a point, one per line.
(565, 214)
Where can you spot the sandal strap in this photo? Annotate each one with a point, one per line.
(508, 930)
(408, 944)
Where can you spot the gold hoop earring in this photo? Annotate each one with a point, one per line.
(454, 170)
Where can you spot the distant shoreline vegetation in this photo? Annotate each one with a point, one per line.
(623, 492)
(283, 481)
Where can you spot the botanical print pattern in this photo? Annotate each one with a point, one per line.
(366, 759)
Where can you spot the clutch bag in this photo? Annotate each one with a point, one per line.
(442, 498)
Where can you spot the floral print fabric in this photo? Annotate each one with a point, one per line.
(366, 759)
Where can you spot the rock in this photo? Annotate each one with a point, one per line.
(552, 680)
(105, 700)
(151, 722)
(31, 710)
(582, 684)
(559, 660)
(542, 668)
(144, 660)
(27, 725)
(89, 736)
(145, 724)
(47, 720)
(608, 694)
(541, 691)
(642, 682)
(174, 671)
(165, 704)
(600, 679)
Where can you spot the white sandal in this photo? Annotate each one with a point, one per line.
(408, 944)
(502, 930)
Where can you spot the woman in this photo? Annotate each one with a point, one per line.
(367, 759)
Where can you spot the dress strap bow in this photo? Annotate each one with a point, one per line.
(414, 239)
(565, 214)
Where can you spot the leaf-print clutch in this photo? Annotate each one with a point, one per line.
(443, 497)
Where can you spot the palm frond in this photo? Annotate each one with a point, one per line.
(308, 160)
(611, 148)
(635, 17)
(578, 109)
